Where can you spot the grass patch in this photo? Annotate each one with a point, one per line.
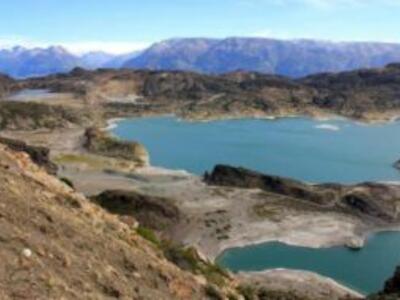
(267, 212)
(149, 235)
(87, 160)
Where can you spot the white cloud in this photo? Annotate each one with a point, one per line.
(116, 47)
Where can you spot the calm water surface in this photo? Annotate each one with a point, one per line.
(339, 150)
(365, 270)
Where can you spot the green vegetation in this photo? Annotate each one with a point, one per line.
(149, 235)
(267, 212)
(90, 161)
(186, 258)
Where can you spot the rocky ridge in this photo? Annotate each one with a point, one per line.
(370, 94)
(371, 200)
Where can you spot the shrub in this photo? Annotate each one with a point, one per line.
(148, 234)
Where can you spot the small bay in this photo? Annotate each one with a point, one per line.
(364, 270)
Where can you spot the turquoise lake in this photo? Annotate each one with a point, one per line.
(365, 271)
(314, 151)
(301, 148)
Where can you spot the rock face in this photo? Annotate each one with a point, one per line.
(100, 142)
(153, 212)
(39, 155)
(378, 201)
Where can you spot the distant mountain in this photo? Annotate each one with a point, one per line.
(20, 62)
(118, 61)
(95, 59)
(293, 58)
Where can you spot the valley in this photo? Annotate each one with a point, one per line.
(232, 207)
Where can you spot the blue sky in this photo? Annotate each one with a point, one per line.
(123, 25)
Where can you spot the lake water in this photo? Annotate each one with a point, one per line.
(365, 270)
(314, 151)
(30, 95)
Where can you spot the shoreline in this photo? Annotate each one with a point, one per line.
(364, 237)
(300, 276)
(112, 123)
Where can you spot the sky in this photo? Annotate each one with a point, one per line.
(121, 26)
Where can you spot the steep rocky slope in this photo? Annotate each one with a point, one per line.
(55, 244)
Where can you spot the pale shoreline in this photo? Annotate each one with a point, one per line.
(112, 123)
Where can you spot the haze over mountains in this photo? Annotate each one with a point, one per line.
(293, 58)
(23, 62)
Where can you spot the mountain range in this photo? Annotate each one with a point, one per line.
(20, 62)
(293, 58)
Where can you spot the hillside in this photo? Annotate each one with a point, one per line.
(365, 94)
(55, 244)
(293, 58)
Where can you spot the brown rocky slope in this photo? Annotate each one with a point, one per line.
(55, 244)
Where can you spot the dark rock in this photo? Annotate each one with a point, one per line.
(391, 290)
(397, 164)
(100, 142)
(393, 284)
(375, 200)
(39, 155)
(153, 212)
(223, 175)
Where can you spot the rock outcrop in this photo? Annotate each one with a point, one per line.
(100, 142)
(152, 212)
(391, 290)
(397, 164)
(39, 155)
(379, 201)
(29, 116)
